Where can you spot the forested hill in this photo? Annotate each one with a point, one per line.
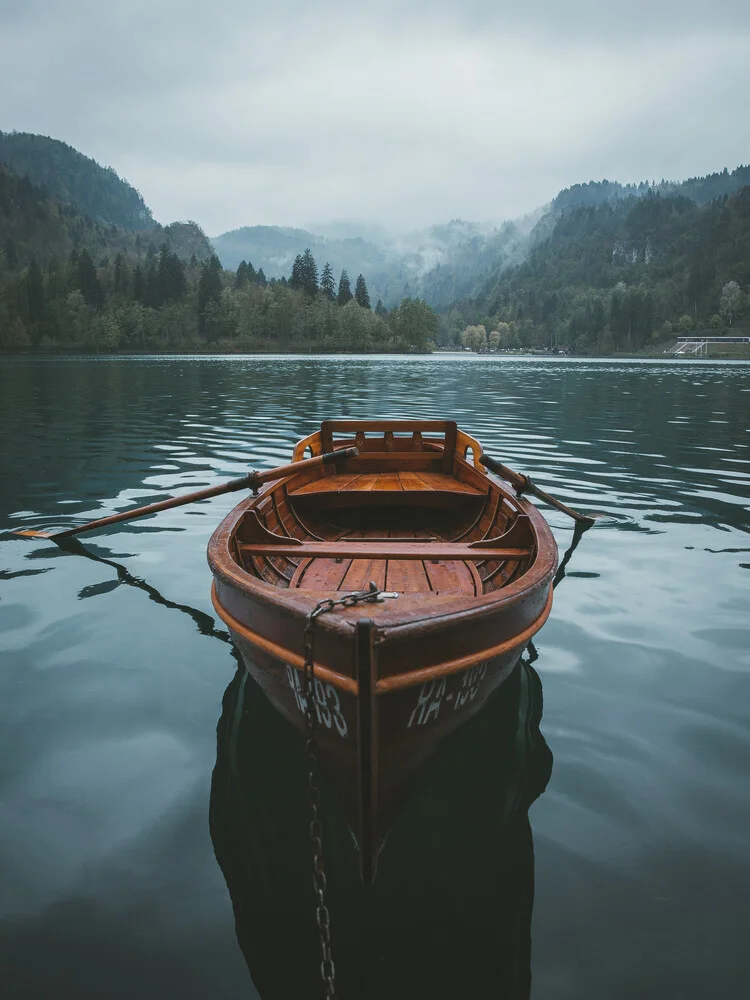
(622, 275)
(75, 179)
(70, 283)
(701, 190)
(34, 225)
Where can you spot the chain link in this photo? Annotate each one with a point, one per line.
(320, 882)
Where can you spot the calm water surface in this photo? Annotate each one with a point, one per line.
(114, 675)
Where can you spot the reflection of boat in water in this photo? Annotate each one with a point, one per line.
(450, 913)
(469, 565)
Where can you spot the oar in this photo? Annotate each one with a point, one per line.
(252, 481)
(523, 484)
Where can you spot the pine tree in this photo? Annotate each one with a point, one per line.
(121, 275)
(261, 278)
(360, 293)
(88, 281)
(11, 254)
(209, 289)
(139, 287)
(177, 278)
(297, 277)
(151, 295)
(345, 289)
(172, 280)
(309, 274)
(380, 309)
(35, 291)
(327, 284)
(241, 277)
(56, 283)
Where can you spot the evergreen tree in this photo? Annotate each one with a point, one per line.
(172, 284)
(309, 274)
(345, 289)
(360, 293)
(297, 278)
(209, 290)
(88, 281)
(260, 278)
(11, 255)
(56, 283)
(327, 284)
(241, 278)
(139, 285)
(380, 309)
(35, 291)
(121, 275)
(177, 279)
(151, 295)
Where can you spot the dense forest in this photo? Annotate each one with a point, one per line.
(75, 179)
(606, 268)
(70, 283)
(701, 190)
(617, 277)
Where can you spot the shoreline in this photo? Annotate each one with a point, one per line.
(530, 355)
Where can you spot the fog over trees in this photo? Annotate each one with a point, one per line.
(605, 268)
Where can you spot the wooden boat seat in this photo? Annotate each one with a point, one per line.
(386, 549)
(430, 489)
(254, 539)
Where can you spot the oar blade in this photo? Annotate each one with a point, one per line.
(251, 481)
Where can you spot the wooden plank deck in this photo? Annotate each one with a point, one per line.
(386, 482)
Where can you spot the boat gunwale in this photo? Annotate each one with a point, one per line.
(391, 682)
(541, 570)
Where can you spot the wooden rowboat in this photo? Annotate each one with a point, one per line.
(469, 567)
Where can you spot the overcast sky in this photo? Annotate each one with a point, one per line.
(236, 113)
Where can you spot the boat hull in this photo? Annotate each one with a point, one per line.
(377, 725)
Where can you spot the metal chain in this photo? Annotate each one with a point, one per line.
(320, 882)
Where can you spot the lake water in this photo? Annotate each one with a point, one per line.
(114, 675)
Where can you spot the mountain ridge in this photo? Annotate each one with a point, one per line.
(75, 179)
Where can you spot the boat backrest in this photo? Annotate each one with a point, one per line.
(390, 436)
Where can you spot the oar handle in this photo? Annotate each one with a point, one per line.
(252, 481)
(523, 484)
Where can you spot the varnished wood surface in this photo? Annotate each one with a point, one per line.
(400, 472)
(357, 494)
(472, 565)
(344, 549)
(425, 576)
(407, 481)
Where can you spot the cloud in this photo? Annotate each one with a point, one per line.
(241, 114)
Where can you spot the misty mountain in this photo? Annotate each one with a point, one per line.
(274, 248)
(457, 261)
(75, 179)
(438, 264)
